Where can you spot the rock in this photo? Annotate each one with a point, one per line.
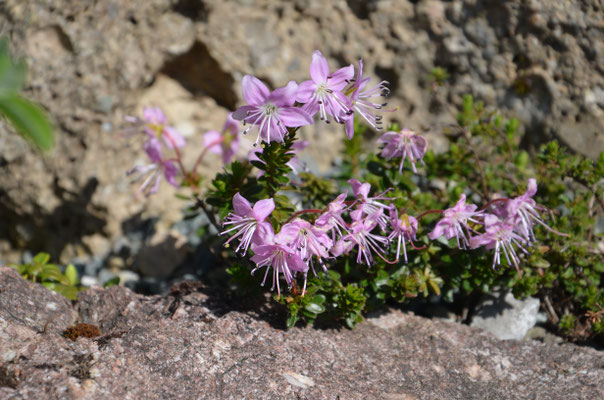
(194, 343)
(505, 316)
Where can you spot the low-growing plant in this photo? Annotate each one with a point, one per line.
(39, 270)
(398, 224)
(64, 281)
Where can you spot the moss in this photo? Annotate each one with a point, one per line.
(85, 330)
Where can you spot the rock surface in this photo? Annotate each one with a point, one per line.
(505, 316)
(195, 343)
(92, 63)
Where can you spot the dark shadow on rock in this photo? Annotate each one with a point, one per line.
(73, 219)
(200, 73)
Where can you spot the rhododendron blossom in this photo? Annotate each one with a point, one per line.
(359, 105)
(324, 92)
(283, 260)
(403, 228)
(153, 172)
(403, 144)
(225, 143)
(455, 222)
(249, 222)
(273, 112)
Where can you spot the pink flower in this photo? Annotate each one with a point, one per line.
(249, 222)
(362, 107)
(403, 144)
(283, 260)
(153, 172)
(370, 205)
(523, 212)
(331, 220)
(272, 112)
(323, 93)
(225, 143)
(455, 222)
(155, 126)
(360, 235)
(403, 228)
(500, 236)
(307, 240)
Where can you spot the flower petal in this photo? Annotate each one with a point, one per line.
(153, 149)
(284, 96)
(349, 124)
(212, 138)
(305, 91)
(243, 112)
(342, 77)
(319, 69)
(173, 138)
(241, 205)
(263, 209)
(154, 115)
(294, 117)
(255, 92)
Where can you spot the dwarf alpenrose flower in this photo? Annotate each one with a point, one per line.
(273, 112)
(323, 93)
(455, 223)
(249, 222)
(404, 144)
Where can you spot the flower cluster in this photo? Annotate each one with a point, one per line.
(507, 227)
(336, 96)
(370, 225)
(366, 225)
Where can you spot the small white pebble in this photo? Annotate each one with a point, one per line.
(52, 306)
(298, 380)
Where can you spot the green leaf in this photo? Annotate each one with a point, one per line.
(112, 282)
(51, 272)
(41, 258)
(28, 119)
(70, 292)
(12, 74)
(72, 274)
(314, 308)
(291, 321)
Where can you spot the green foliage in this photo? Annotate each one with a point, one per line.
(39, 270)
(28, 119)
(439, 75)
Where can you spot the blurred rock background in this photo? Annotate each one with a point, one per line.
(91, 63)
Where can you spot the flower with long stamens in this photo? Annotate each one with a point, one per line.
(153, 172)
(283, 260)
(370, 205)
(360, 236)
(249, 222)
(454, 222)
(403, 228)
(308, 240)
(225, 143)
(323, 93)
(500, 235)
(403, 144)
(331, 219)
(273, 112)
(523, 211)
(360, 104)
